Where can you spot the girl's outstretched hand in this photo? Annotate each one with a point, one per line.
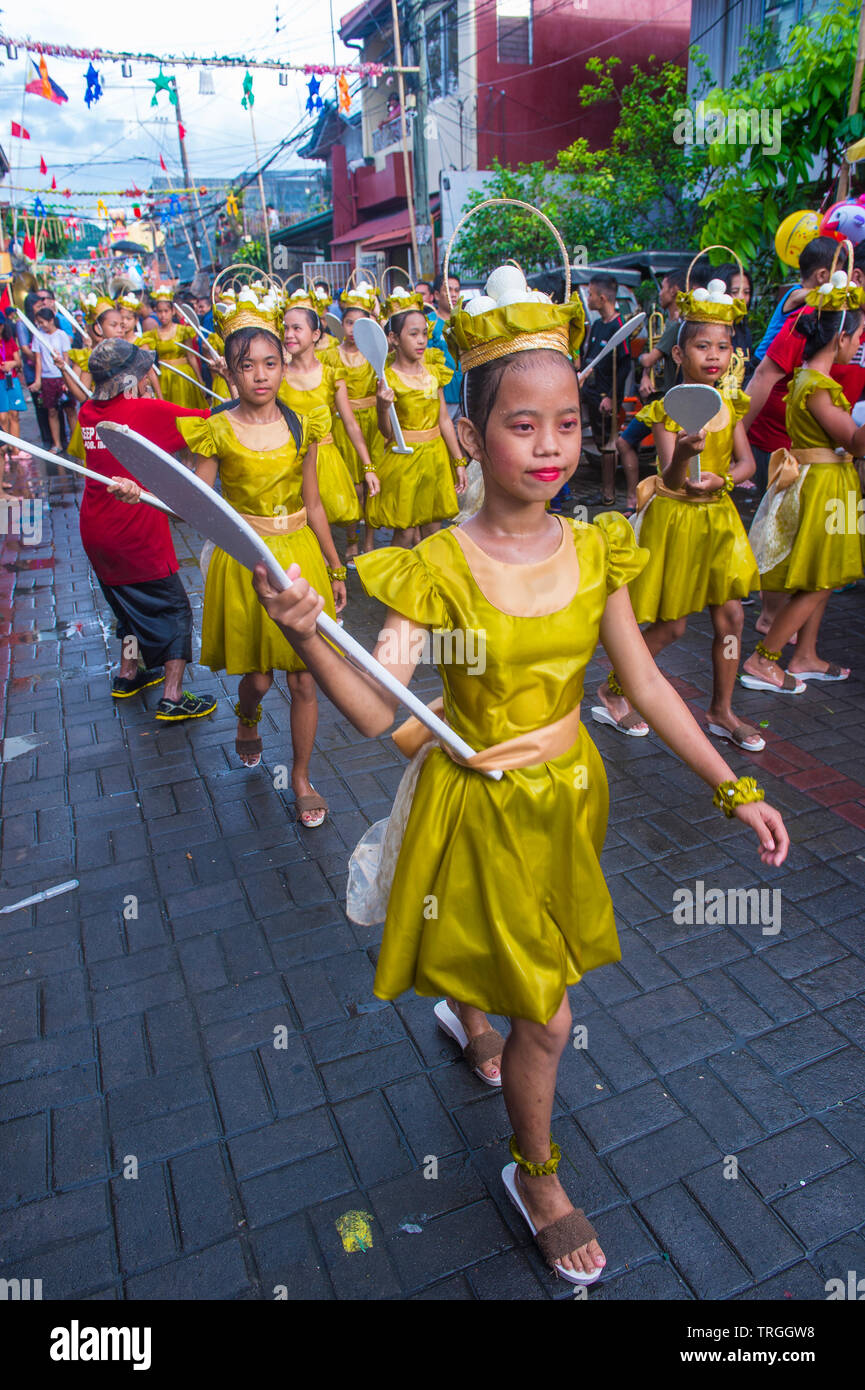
(769, 828)
(294, 609)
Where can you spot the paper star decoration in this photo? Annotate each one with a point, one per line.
(162, 84)
(94, 86)
(248, 94)
(313, 101)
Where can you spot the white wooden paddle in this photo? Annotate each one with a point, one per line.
(692, 407)
(77, 468)
(167, 367)
(627, 328)
(334, 326)
(195, 322)
(371, 343)
(204, 509)
(88, 342)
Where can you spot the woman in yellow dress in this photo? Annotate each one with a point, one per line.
(352, 368)
(498, 900)
(309, 382)
(807, 532)
(698, 548)
(417, 489)
(169, 341)
(264, 456)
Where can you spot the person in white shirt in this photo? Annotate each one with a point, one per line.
(51, 347)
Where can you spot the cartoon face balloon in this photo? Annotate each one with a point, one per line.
(845, 219)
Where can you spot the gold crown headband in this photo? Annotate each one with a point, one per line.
(696, 306)
(515, 325)
(838, 294)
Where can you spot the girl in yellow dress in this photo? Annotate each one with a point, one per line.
(308, 382)
(352, 368)
(169, 341)
(807, 532)
(417, 489)
(497, 899)
(264, 455)
(128, 307)
(698, 548)
(103, 321)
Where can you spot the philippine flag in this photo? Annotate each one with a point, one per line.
(45, 86)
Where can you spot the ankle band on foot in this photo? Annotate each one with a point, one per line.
(245, 719)
(763, 650)
(613, 684)
(536, 1170)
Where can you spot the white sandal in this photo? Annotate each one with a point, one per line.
(475, 1050)
(625, 725)
(573, 1226)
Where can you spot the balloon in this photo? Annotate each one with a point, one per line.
(797, 229)
(845, 219)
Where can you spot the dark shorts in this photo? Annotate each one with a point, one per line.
(636, 432)
(51, 390)
(157, 614)
(600, 424)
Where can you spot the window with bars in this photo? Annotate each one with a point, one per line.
(781, 15)
(442, 52)
(514, 31)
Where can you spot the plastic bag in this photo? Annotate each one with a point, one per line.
(373, 862)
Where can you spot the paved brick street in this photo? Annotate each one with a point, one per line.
(148, 1040)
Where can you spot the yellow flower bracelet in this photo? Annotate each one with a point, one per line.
(729, 795)
(334, 575)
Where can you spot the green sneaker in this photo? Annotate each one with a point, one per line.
(189, 707)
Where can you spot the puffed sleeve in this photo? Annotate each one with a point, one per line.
(147, 340)
(625, 559)
(199, 435)
(441, 371)
(738, 404)
(401, 580)
(435, 357)
(654, 414)
(315, 426)
(816, 381)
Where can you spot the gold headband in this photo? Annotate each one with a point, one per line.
(555, 338)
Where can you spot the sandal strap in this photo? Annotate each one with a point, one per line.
(483, 1048)
(567, 1234)
(248, 745)
(629, 720)
(310, 801)
(789, 682)
(833, 669)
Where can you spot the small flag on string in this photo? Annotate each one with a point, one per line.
(19, 132)
(344, 95)
(43, 167)
(181, 128)
(136, 210)
(94, 86)
(44, 86)
(53, 184)
(162, 163)
(248, 98)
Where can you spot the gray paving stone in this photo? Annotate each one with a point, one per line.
(708, 1266)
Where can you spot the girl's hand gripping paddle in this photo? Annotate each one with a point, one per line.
(372, 344)
(204, 509)
(692, 407)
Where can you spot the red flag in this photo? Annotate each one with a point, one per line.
(19, 131)
(43, 167)
(182, 129)
(53, 184)
(162, 164)
(136, 210)
(29, 248)
(67, 193)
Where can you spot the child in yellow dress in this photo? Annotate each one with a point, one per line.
(264, 455)
(351, 367)
(806, 533)
(181, 378)
(417, 489)
(309, 382)
(128, 306)
(497, 899)
(698, 548)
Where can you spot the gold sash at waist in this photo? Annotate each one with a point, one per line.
(654, 486)
(784, 464)
(421, 436)
(361, 402)
(525, 750)
(276, 525)
(177, 362)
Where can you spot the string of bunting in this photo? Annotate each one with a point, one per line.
(104, 55)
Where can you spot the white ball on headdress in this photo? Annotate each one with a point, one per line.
(699, 295)
(506, 280)
(838, 280)
(825, 289)
(716, 287)
(480, 304)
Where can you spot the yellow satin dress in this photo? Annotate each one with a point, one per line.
(183, 389)
(498, 898)
(360, 383)
(218, 385)
(698, 551)
(335, 482)
(416, 488)
(827, 551)
(261, 474)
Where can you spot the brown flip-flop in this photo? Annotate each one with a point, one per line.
(310, 801)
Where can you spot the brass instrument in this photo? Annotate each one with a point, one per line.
(655, 329)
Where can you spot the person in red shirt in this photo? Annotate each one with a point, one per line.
(130, 547)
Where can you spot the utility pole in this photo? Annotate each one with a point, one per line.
(187, 181)
(405, 159)
(426, 264)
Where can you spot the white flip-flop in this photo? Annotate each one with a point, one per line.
(571, 1275)
(834, 673)
(601, 715)
(450, 1024)
(796, 687)
(729, 734)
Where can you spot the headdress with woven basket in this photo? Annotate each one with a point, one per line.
(838, 293)
(399, 301)
(94, 306)
(162, 292)
(308, 297)
(242, 302)
(129, 301)
(362, 296)
(510, 317)
(711, 304)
